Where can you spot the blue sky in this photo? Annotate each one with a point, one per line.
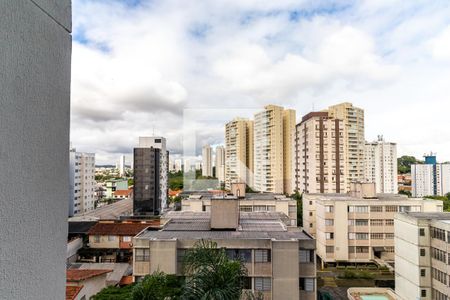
(138, 64)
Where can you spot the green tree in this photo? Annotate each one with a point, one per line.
(404, 163)
(403, 192)
(114, 293)
(158, 286)
(211, 274)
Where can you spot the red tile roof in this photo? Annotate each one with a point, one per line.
(72, 291)
(128, 229)
(123, 193)
(83, 274)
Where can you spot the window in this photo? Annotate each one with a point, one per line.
(329, 222)
(329, 208)
(376, 222)
(329, 235)
(329, 249)
(310, 202)
(391, 208)
(260, 208)
(180, 255)
(306, 284)
(247, 283)
(362, 249)
(142, 254)
(422, 272)
(423, 293)
(246, 208)
(306, 256)
(389, 222)
(96, 239)
(358, 209)
(376, 236)
(262, 255)
(310, 213)
(361, 222)
(437, 233)
(422, 231)
(127, 238)
(422, 252)
(376, 209)
(263, 283)
(389, 236)
(240, 254)
(111, 238)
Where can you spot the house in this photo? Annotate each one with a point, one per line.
(82, 284)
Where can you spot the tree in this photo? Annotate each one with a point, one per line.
(114, 293)
(445, 199)
(403, 192)
(404, 164)
(211, 274)
(158, 286)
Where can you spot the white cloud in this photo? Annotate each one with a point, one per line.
(135, 68)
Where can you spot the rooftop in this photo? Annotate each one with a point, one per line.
(119, 270)
(441, 216)
(346, 197)
(252, 225)
(72, 291)
(107, 212)
(126, 229)
(80, 275)
(248, 196)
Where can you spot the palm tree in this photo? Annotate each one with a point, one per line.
(157, 286)
(211, 275)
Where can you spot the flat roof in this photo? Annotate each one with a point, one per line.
(439, 216)
(108, 212)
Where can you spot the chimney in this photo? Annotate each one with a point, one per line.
(238, 189)
(224, 213)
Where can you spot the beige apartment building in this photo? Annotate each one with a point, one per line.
(280, 262)
(320, 154)
(356, 228)
(353, 118)
(251, 202)
(422, 256)
(238, 152)
(274, 130)
(207, 167)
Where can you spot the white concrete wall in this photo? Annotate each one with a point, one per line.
(34, 141)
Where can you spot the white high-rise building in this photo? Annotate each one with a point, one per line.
(207, 161)
(178, 165)
(274, 130)
(380, 165)
(82, 182)
(430, 178)
(220, 163)
(122, 165)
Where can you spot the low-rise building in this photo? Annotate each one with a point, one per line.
(422, 256)
(82, 284)
(115, 185)
(111, 241)
(251, 202)
(357, 229)
(123, 194)
(280, 261)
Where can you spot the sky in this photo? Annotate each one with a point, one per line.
(139, 65)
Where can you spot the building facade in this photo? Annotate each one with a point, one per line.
(280, 262)
(82, 183)
(238, 152)
(122, 167)
(274, 131)
(422, 256)
(353, 118)
(207, 167)
(220, 164)
(150, 191)
(356, 229)
(430, 178)
(320, 160)
(380, 165)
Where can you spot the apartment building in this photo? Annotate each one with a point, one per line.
(280, 262)
(82, 183)
(207, 161)
(238, 152)
(357, 229)
(274, 134)
(151, 168)
(422, 256)
(220, 164)
(430, 178)
(121, 165)
(251, 202)
(380, 165)
(114, 185)
(320, 159)
(353, 118)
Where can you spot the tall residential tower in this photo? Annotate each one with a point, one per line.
(82, 182)
(151, 168)
(207, 161)
(220, 164)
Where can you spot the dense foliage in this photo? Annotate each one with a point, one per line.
(445, 199)
(404, 164)
(298, 197)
